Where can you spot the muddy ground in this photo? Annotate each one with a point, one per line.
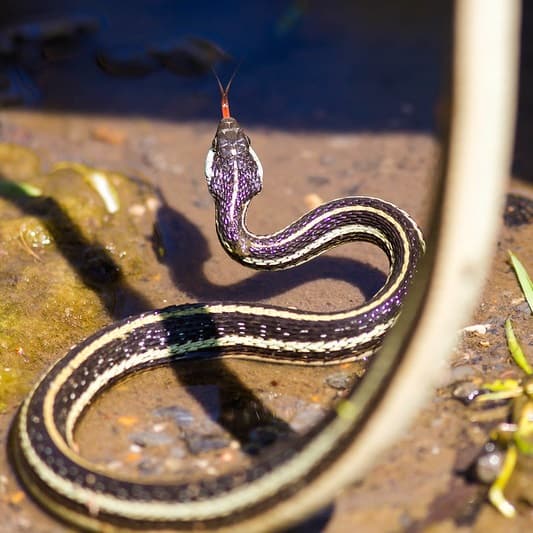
(336, 102)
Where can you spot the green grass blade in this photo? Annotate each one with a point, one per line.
(18, 189)
(523, 278)
(516, 351)
(503, 385)
(496, 495)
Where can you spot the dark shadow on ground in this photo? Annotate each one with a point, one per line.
(186, 251)
(98, 270)
(90, 260)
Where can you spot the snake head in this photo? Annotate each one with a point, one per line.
(233, 171)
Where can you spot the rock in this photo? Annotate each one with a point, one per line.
(339, 380)
(150, 438)
(206, 443)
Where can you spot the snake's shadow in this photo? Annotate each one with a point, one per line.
(186, 251)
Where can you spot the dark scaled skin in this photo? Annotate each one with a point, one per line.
(236, 178)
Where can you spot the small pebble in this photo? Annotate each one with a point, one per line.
(137, 210)
(339, 381)
(307, 417)
(108, 135)
(153, 204)
(479, 329)
(312, 200)
(204, 443)
(201, 463)
(227, 457)
(466, 392)
(150, 466)
(182, 417)
(523, 308)
(489, 464)
(115, 465)
(147, 438)
(16, 497)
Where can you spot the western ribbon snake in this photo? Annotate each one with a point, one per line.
(42, 440)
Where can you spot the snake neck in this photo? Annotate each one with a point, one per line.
(232, 231)
(331, 224)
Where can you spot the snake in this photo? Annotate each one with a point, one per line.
(45, 453)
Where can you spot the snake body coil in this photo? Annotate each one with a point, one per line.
(45, 452)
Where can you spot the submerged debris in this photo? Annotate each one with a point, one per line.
(192, 56)
(126, 60)
(99, 180)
